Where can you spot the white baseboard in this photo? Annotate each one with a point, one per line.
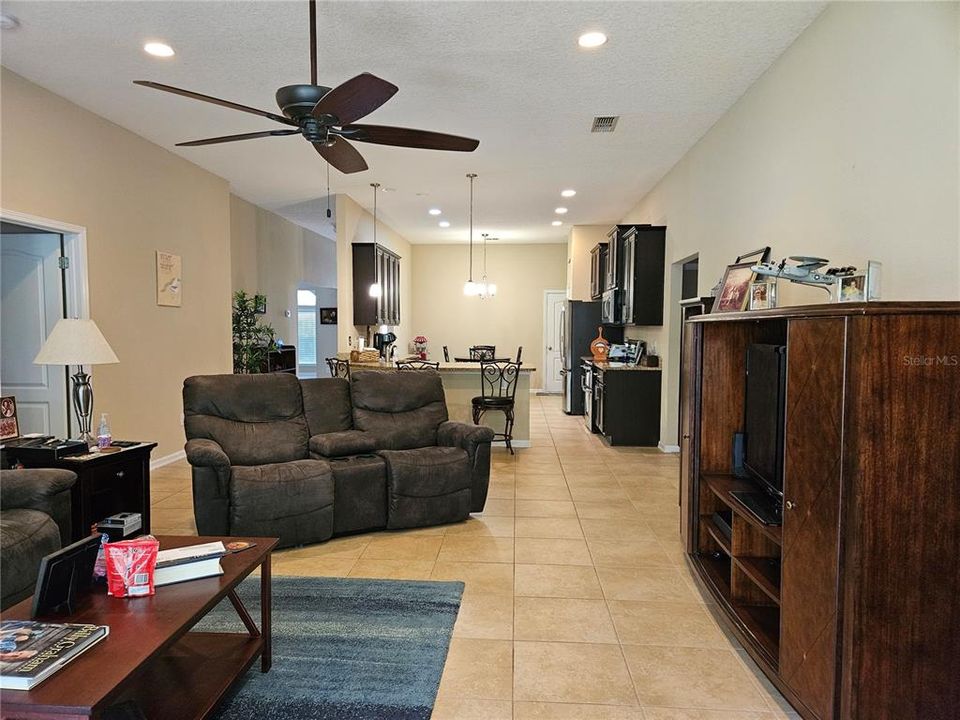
(668, 448)
(168, 459)
(515, 443)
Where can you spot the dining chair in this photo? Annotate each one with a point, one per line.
(498, 390)
(338, 368)
(417, 365)
(483, 352)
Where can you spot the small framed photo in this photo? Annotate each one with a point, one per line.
(874, 269)
(9, 427)
(734, 294)
(328, 316)
(763, 295)
(852, 288)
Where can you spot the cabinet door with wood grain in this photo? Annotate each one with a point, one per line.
(811, 517)
(689, 384)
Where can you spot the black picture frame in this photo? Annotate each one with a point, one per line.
(328, 316)
(63, 575)
(260, 307)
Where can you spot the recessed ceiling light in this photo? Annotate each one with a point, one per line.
(591, 40)
(158, 49)
(568, 193)
(435, 211)
(561, 211)
(443, 223)
(556, 223)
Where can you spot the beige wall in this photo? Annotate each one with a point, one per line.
(513, 318)
(583, 238)
(64, 163)
(355, 225)
(846, 148)
(273, 256)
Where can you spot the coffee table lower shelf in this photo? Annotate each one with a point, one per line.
(191, 678)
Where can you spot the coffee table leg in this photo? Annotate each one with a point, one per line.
(266, 658)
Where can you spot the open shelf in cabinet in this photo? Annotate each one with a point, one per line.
(764, 571)
(722, 485)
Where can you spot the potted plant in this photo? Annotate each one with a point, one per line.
(253, 339)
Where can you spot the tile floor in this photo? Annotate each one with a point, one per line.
(578, 602)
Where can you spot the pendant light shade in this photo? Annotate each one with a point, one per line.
(376, 289)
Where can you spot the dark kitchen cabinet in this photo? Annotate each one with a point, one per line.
(598, 270)
(375, 264)
(643, 249)
(626, 404)
(613, 272)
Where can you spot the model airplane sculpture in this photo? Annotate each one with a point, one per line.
(805, 271)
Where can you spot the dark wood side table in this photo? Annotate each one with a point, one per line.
(107, 483)
(150, 656)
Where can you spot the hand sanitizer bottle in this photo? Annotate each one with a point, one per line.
(103, 433)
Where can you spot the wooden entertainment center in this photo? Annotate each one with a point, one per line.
(852, 606)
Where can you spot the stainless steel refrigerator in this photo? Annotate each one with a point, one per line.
(580, 322)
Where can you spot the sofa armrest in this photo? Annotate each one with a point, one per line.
(342, 444)
(202, 452)
(461, 435)
(33, 488)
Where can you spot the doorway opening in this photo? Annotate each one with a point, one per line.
(554, 305)
(685, 288)
(316, 339)
(42, 279)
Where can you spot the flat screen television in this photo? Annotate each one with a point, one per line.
(764, 416)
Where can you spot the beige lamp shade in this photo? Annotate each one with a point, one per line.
(75, 342)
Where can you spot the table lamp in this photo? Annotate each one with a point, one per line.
(78, 342)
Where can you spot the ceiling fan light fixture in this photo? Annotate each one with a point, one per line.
(158, 49)
(592, 40)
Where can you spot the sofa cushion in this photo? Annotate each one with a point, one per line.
(256, 419)
(402, 409)
(25, 537)
(342, 444)
(326, 405)
(292, 501)
(427, 486)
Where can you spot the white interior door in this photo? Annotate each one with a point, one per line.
(555, 304)
(31, 302)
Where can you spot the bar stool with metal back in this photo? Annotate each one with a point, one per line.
(519, 353)
(483, 352)
(338, 368)
(498, 387)
(417, 365)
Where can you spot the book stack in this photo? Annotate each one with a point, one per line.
(188, 563)
(30, 651)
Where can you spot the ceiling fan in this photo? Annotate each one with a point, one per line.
(327, 117)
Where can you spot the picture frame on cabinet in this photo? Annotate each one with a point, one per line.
(874, 270)
(763, 295)
(734, 292)
(852, 288)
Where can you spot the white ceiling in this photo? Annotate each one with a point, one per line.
(508, 73)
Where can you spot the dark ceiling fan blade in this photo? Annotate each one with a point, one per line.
(354, 99)
(232, 138)
(215, 101)
(343, 156)
(408, 137)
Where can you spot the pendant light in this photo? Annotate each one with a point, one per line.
(376, 289)
(470, 288)
(487, 289)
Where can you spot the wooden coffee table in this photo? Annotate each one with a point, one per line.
(149, 656)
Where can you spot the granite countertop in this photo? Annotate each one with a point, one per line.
(444, 366)
(607, 365)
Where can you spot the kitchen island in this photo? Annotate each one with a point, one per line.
(461, 383)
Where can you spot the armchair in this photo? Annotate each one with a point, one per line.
(34, 521)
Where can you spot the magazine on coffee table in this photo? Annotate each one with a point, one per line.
(31, 651)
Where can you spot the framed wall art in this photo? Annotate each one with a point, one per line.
(169, 279)
(328, 316)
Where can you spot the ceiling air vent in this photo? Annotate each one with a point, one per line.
(605, 123)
